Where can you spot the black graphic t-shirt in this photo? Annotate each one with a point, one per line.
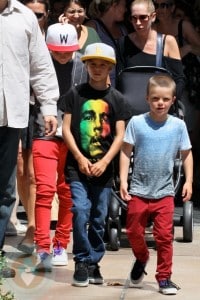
(94, 115)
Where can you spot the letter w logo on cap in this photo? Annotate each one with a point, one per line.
(63, 39)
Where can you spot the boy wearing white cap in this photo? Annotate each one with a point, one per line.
(93, 129)
(49, 154)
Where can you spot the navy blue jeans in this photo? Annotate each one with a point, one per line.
(9, 141)
(90, 208)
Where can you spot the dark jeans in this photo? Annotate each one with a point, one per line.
(90, 208)
(9, 141)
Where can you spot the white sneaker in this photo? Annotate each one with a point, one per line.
(60, 257)
(43, 263)
(15, 229)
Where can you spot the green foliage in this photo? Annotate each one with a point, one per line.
(4, 295)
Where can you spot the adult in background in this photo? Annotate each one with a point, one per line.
(20, 67)
(107, 17)
(139, 47)
(26, 186)
(75, 14)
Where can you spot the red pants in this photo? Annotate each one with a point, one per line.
(161, 212)
(49, 161)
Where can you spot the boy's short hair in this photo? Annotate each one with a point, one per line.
(99, 51)
(62, 37)
(162, 81)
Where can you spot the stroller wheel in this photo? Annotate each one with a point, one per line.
(114, 239)
(188, 222)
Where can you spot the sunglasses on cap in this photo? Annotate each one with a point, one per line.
(39, 15)
(163, 5)
(140, 17)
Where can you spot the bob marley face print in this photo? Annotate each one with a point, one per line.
(94, 127)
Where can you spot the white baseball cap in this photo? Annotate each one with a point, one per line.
(62, 37)
(99, 51)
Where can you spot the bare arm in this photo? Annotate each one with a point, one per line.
(171, 47)
(124, 163)
(99, 167)
(193, 39)
(188, 169)
(83, 162)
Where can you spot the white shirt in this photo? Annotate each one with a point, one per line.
(24, 60)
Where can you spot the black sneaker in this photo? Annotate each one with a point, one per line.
(95, 276)
(81, 277)
(167, 287)
(137, 272)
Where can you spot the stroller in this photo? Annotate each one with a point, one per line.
(129, 83)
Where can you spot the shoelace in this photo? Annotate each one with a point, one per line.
(142, 266)
(169, 282)
(174, 284)
(43, 255)
(58, 250)
(144, 272)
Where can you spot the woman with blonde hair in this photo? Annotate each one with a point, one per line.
(140, 46)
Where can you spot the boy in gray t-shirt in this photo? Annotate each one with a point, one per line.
(156, 138)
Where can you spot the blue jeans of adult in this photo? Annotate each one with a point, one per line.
(9, 142)
(90, 208)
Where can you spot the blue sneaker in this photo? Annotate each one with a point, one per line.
(167, 287)
(43, 263)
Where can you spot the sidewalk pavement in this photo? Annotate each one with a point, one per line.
(115, 268)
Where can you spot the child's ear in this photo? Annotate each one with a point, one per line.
(86, 65)
(111, 67)
(174, 99)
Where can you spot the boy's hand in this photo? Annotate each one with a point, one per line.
(98, 168)
(50, 123)
(124, 192)
(84, 166)
(187, 191)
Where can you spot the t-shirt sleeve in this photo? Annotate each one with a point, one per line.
(185, 140)
(122, 108)
(66, 101)
(129, 136)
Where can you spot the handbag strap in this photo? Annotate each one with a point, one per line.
(159, 50)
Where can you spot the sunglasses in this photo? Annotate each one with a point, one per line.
(140, 17)
(162, 5)
(74, 11)
(39, 15)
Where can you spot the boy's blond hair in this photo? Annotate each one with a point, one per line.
(161, 81)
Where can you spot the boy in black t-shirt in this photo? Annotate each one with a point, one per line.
(93, 129)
